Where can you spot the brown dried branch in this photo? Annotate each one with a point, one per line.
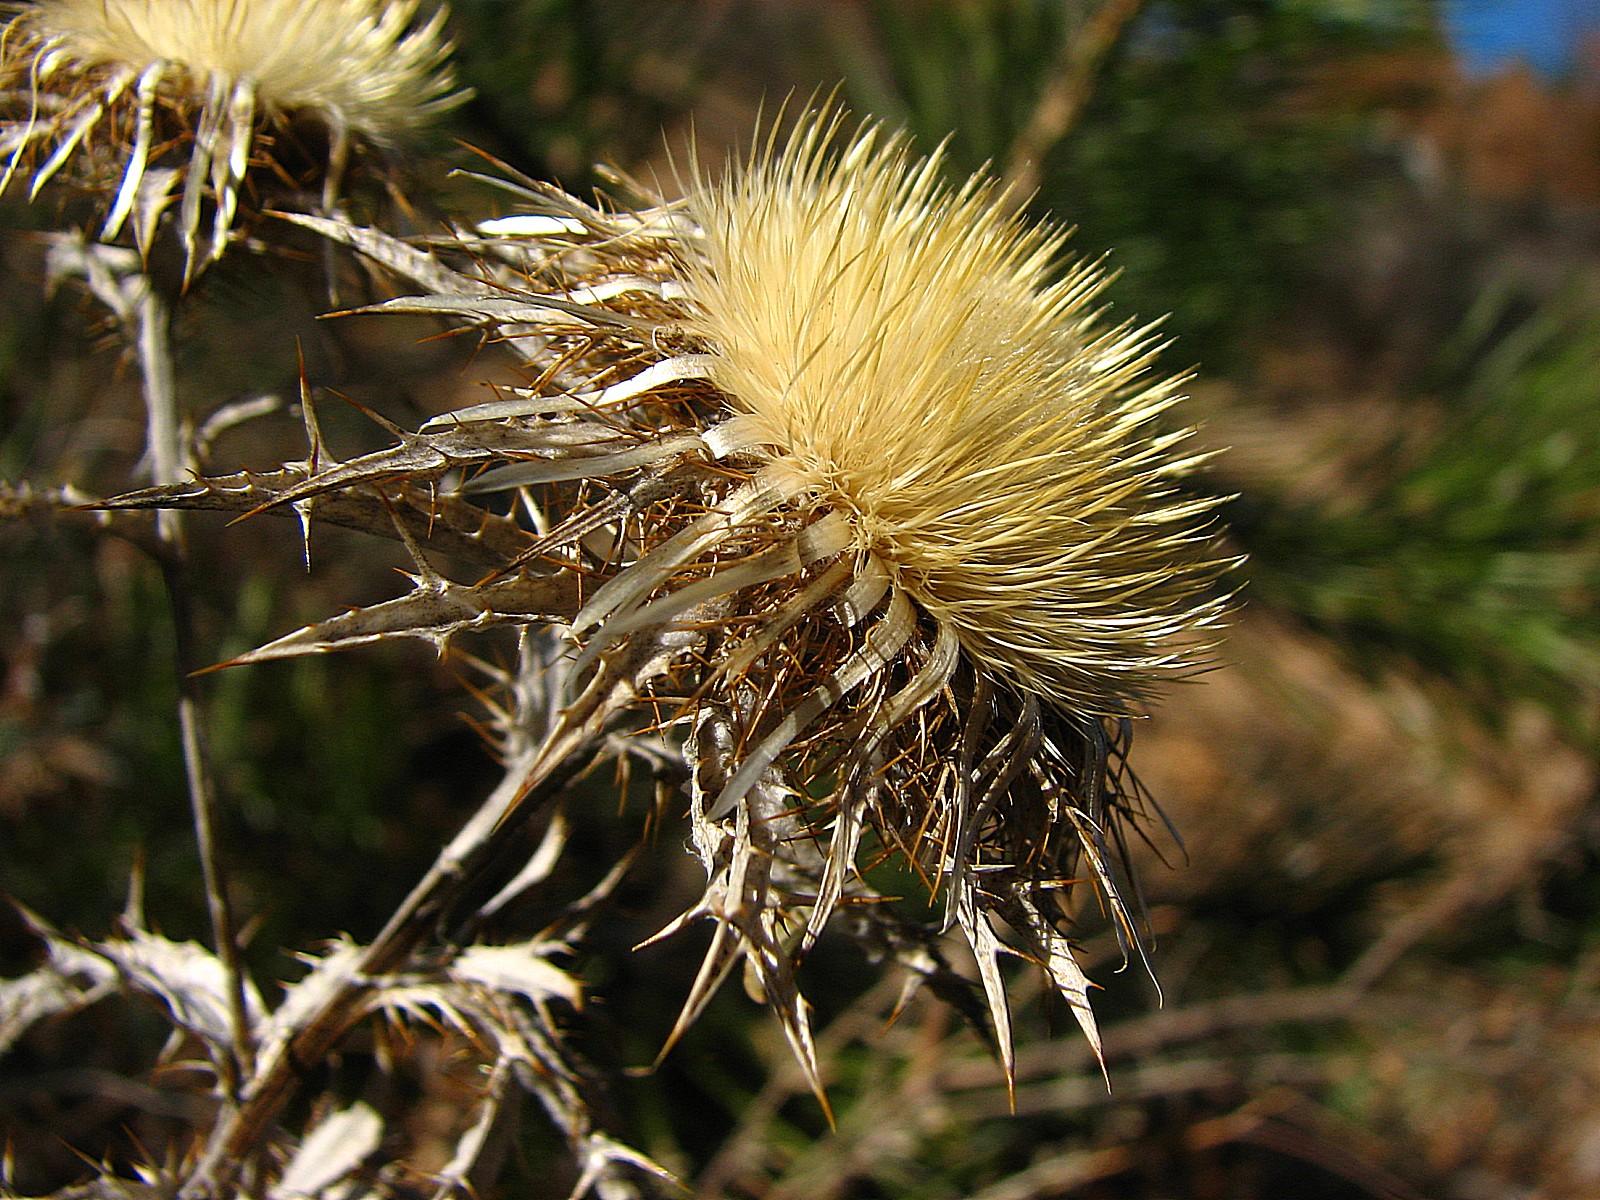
(1067, 90)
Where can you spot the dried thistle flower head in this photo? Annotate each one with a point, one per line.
(825, 466)
(114, 85)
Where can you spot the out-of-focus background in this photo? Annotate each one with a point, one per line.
(1375, 225)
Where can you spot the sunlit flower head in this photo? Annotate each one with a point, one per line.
(901, 351)
(827, 467)
(153, 100)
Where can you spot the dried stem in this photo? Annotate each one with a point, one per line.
(154, 319)
(154, 326)
(1065, 93)
(534, 773)
(117, 278)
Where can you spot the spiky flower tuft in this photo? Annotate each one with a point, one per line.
(823, 466)
(111, 85)
(902, 351)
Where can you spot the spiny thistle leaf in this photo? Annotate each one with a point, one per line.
(330, 971)
(452, 527)
(404, 260)
(189, 979)
(331, 1150)
(48, 991)
(436, 611)
(523, 970)
(185, 977)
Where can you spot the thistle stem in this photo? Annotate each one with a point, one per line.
(144, 307)
(117, 278)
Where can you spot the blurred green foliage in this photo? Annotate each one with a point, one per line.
(966, 75)
(1200, 159)
(1475, 553)
(562, 85)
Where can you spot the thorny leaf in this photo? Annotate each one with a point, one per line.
(405, 260)
(418, 458)
(190, 980)
(330, 972)
(335, 1147)
(450, 525)
(500, 310)
(495, 996)
(743, 856)
(43, 993)
(987, 949)
(522, 970)
(185, 977)
(519, 973)
(435, 611)
(1055, 954)
(424, 457)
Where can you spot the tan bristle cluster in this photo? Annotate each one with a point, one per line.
(902, 348)
(361, 62)
(117, 79)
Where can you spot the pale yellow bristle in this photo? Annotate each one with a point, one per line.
(902, 345)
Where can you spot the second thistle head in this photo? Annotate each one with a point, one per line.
(114, 87)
